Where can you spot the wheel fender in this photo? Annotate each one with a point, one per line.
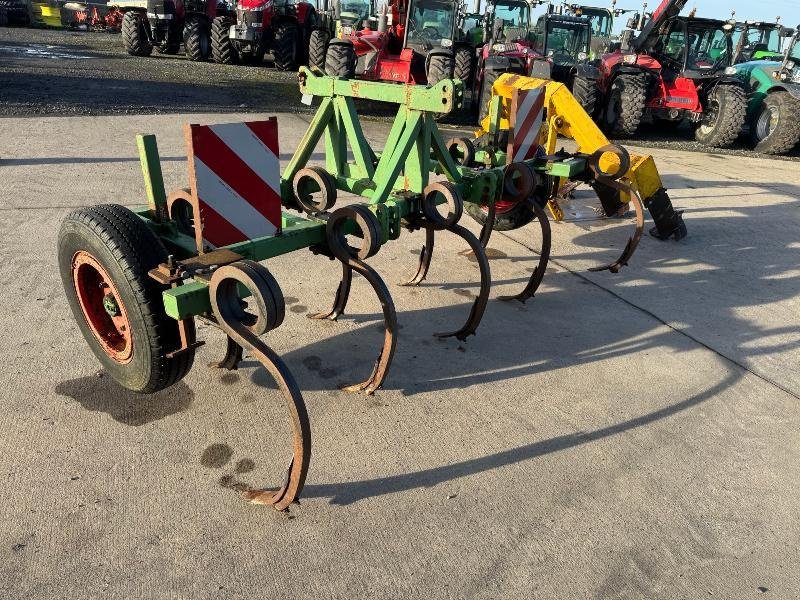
(497, 63)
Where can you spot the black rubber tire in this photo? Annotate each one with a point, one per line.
(516, 217)
(585, 92)
(3, 17)
(627, 97)
(134, 35)
(340, 60)
(222, 50)
(16, 12)
(318, 48)
(463, 65)
(489, 77)
(284, 49)
(440, 67)
(127, 249)
(729, 116)
(197, 39)
(785, 134)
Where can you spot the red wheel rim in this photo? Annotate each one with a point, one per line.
(102, 308)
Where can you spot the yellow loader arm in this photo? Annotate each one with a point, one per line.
(564, 116)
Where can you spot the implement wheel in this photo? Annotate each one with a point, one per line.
(104, 254)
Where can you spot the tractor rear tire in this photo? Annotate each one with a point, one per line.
(463, 68)
(284, 49)
(625, 105)
(340, 60)
(134, 35)
(440, 67)
(222, 50)
(118, 242)
(775, 128)
(489, 77)
(317, 48)
(197, 39)
(726, 112)
(585, 92)
(3, 17)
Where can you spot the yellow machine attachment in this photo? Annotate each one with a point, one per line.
(564, 116)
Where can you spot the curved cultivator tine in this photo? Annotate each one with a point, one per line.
(424, 259)
(243, 330)
(342, 295)
(544, 256)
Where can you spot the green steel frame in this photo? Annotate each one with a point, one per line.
(391, 182)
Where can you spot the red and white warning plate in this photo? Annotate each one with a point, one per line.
(234, 170)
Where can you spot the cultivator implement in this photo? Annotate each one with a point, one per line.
(136, 281)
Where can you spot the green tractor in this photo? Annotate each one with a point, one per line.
(340, 19)
(773, 110)
(759, 41)
(566, 41)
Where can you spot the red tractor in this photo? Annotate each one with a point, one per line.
(280, 26)
(417, 47)
(164, 24)
(677, 68)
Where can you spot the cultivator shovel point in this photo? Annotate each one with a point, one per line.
(137, 280)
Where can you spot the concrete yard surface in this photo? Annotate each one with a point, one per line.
(618, 436)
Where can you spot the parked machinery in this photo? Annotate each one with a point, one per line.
(282, 27)
(758, 40)
(773, 111)
(339, 20)
(676, 68)
(566, 41)
(507, 48)
(164, 24)
(413, 44)
(16, 12)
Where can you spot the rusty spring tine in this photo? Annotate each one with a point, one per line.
(544, 256)
(479, 305)
(354, 258)
(342, 295)
(488, 225)
(244, 329)
(633, 241)
(424, 259)
(612, 180)
(232, 358)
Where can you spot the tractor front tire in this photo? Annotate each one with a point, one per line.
(462, 65)
(197, 39)
(489, 77)
(585, 92)
(340, 60)
(726, 110)
(440, 67)
(775, 128)
(317, 48)
(284, 49)
(134, 35)
(625, 105)
(222, 50)
(104, 255)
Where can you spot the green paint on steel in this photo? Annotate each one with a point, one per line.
(443, 97)
(153, 179)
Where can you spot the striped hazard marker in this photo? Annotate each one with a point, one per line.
(234, 171)
(527, 117)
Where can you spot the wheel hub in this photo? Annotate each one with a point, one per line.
(102, 308)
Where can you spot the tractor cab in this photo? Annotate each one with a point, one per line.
(602, 24)
(789, 71)
(759, 41)
(352, 15)
(430, 25)
(565, 40)
(695, 48)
